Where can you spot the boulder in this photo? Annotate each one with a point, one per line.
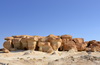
(95, 47)
(56, 43)
(92, 42)
(81, 46)
(67, 37)
(78, 40)
(24, 43)
(17, 43)
(51, 36)
(7, 44)
(69, 45)
(32, 41)
(45, 47)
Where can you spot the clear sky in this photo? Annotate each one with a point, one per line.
(79, 18)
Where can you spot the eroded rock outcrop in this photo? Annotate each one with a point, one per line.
(94, 45)
(45, 47)
(16, 43)
(80, 44)
(49, 43)
(32, 41)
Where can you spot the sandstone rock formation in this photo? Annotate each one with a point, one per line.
(45, 47)
(56, 43)
(8, 44)
(80, 44)
(67, 37)
(94, 45)
(43, 39)
(49, 43)
(32, 41)
(24, 43)
(78, 40)
(17, 43)
(69, 45)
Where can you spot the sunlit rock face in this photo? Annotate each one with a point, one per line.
(45, 47)
(49, 43)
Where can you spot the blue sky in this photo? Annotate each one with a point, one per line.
(79, 18)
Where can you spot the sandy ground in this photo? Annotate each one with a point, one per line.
(42, 58)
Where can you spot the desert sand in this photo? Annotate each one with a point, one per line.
(57, 58)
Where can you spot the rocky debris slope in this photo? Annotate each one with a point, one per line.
(49, 44)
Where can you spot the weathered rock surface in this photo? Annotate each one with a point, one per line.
(50, 43)
(45, 47)
(17, 43)
(9, 38)
(56, 43)
(32, 41)
(67, 37)
(78, 40)
(24, 43)
(69, 45)
(8, 44)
